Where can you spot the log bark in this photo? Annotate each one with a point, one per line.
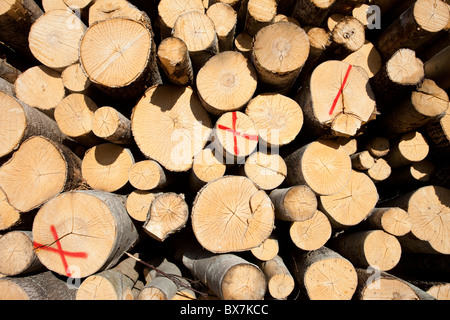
(393, 220)
(244, 219)
(311, 12)
(100, 243)
(259, 15)
(162, 287)
(7, 87)
(111, 125)
(8, 72)
(311, 234)
(174, 60)
(225, 20)
(296, 203)
(406, 149)
(267, 170)
(280, 282)
(51, 167)
(437, 135)
(436, 68)
(346, 6)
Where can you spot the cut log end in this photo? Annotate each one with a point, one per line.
(312, 233)
(235, 284)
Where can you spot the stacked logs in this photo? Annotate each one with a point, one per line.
(226, 149)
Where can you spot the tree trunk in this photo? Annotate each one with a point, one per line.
(259, 14)
(296, 203)
(147, 175)
(12, 219)
(393, 220)
(163, 286)
(174, 60)
(346, 6)
(280, 282)
(348, 36)
(268, 171)
(380, 171)
(311, 234)
(362, 160)
(243, 43)
(406, 149)
(112, 126)
(225, 19)
(99, 243)
(366, 57)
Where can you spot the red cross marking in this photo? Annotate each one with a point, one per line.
(340, 90)
(60, 251)
(236, 133)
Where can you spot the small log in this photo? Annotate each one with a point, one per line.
(74, 79)
(312, 233)
(244, 219)
(226, 82)
(418, 24)
(278, 118)
(280, 282)
(267, 250)
(8, 72)
(378, 146)
(41, 169)
(243, 44)
(436, 68)
(311, 12)
(112, 126)
(362, 160)
(323, 159)
(40, 286)
(437, 135)
(54, 38)
(168, 214)
(138, 204)
(163, 286)
(348, 36)
(351, 205)
(100, 242)
(106, 166)
(206, 167)
(174, 60)
(279, 52)
(333, 20)
(11, 219)
(186, 136)
(259, 14)
(350, 144)
(147, 175)
(225, 19)
(17, 256)
(408, 148)
(267, 170)
(40, 87)
(296, 203)
(380, 171)
(393, 220)
(197, 30)
(366, 57)
(324, 274)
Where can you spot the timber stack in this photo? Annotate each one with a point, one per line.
(224, 149)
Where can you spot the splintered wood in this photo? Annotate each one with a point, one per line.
(224, 150)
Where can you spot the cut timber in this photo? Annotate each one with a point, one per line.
(74, 79)
(243, 44)
(319, 40)
(280, 282)
(229, 276)
(40, 87)
(20, 122)
(267, 250)
(16, 18)
(235, 136)
(350, 144)
(441, 291)
(138, 204)
(226, 82)
(366, 57)
(312, 233)
(8, 72)
(49, 5)
(336, 98)
(168, 214)
(372, 248)
(283, 18)
(197, 30)
(324, 274)
(362, 160)
(185, 293)
(438, 134)
(111, 125)
(54, 38)
(106, 9)
(393, 220)
(378, 146)
(436, 68)
(296, 203)
(147, 175)
(380, 171)
(418, 24)
(323, 166)
(7, 87)
(168, 13)
(17, 256)
(279, 52)
(109, 46)
(40, 286)
(266, 170)
(173, 57)
(278, 118)
(383, 286)
(426, 104)
(206, 167)
(352, 204)
(40, 169)
(408, 148)
(348, 36)
(164, 285)
(429, 209)
(179, 122)
(225, 19)
(11, 218)
(106, 166)
(235, 221)
(311, 12)
(259, 14)
(362, 13)
(74, 118)
(67, 239)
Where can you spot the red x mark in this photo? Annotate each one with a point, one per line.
(60, 251)
(340, 90)
(236, 133)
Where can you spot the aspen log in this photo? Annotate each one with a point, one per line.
(437, 135)
(40, 286)
(185, 293)
(111, 125)
(436, 68)
(279, 52)
(174, 60)
(162, 286)
(96, 244)
(348, 36)
(352, 204)
(243, 44)
(106, 166)
(49, 5)
(268, 250)
(188, 132)
(280, 282)
(324, 274)
(224, 18)
(74, 79)
(12, 219)
(41, 169)
(138, 204)
(7, 87)
(147, 175)
(418, 24)
(380, 171)
(259, 14)
(406, 149)
(393, 220)
(8, 72)
(168, 214)
(438, 290)
(378, 146)
(311, 12)
(267, 170)
(296, 203)
(226, 82)
(366, 57)
(207, 166)
(362, 160)
(245, 219)
(311, 234)
(106, 9)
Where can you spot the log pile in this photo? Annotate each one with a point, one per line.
(226, 149)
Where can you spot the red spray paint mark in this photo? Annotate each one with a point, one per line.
(60, 251)
(340, 90)
(236, 133)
